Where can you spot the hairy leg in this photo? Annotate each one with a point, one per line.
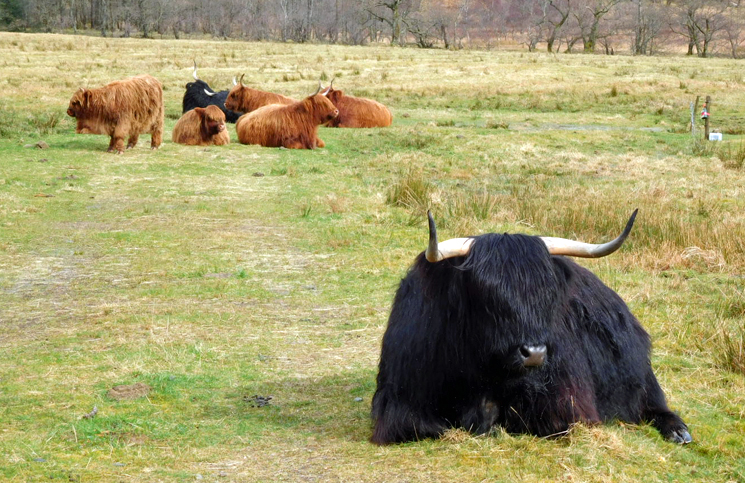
(116, 144)
(156, 138)
(655, 410)
(132, 142)
(395, 422)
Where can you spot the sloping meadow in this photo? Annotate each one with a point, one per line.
(248, 288)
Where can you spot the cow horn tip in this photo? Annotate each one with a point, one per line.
(629, 224)
(432, 253)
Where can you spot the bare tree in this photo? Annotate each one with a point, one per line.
(589, 15)
(556, 13)
(734, 29)
(698, 21)
(648, 22)
(394, 13)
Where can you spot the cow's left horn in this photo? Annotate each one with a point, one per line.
(195, 71)
(209, 93)
(320, 86)
(455, 247)
(573, 248)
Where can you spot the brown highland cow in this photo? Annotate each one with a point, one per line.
(202, 126)
(242, 98)
(358, 111)
(294, 126)
(124, 108)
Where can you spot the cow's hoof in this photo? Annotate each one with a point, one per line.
(680, 436)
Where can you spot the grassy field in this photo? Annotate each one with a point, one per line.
(222, 276)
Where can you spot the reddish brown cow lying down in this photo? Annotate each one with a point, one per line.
(358, 111)
(124, 108)
(242, 98)
(202, 127)
(294, 126)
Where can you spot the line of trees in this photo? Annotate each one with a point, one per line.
(642, 27)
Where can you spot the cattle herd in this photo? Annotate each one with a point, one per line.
(496, 330)
(130, 107)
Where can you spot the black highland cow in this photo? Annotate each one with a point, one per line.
(498, 330)
(199, 94)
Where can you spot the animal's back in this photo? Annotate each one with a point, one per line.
(141, 97)
(263, 125)
(362, 113)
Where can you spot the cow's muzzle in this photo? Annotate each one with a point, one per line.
(533, 355)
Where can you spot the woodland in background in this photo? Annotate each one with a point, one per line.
(639, 27)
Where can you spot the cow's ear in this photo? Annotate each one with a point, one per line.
(199, 111)
(86, 97)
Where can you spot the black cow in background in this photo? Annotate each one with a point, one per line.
(500, 330)
(199, 94)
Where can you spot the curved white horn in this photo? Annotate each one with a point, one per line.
(317, 90)
(573, 248)
(458, 247)
(455, 247)
(235, 82)
(209, 93)
(195, 71)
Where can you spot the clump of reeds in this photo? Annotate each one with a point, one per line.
(412, 190)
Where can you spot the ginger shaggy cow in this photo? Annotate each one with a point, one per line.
(242, 98)
(202, 127)
(358, 111)
(294, 126)
(124, 108)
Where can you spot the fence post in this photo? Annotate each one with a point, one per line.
(707, 107)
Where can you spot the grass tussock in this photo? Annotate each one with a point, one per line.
(732, 353)
(412, 190)
(732, 155)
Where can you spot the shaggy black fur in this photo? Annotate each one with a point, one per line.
(451, 353)
(196, 97)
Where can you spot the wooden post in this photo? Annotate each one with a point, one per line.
(706, 121)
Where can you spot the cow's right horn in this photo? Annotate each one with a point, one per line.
(320, 86)
(241, 80)
(195, 71)
(573, 248)
(235, 82)
(209, 93)
(455, 247)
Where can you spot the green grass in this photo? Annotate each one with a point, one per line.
(188, 271)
